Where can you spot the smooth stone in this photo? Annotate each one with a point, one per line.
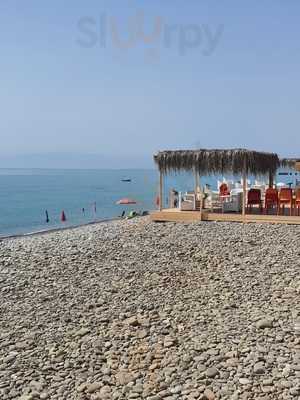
(82, 332)
(244, 381)
(212, 372)
(81, 388)
(295, 391)
(264, 323)
(123, 378)
(44, 396)
(132, 321)
(201, 367)
(232, 362)
(142, 334)
(267, 382)
(169, 341)
(286, 371)
(209, 394)
(259, 369)
(94, 387)
(176, 389)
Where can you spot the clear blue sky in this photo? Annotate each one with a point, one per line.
(63, 92)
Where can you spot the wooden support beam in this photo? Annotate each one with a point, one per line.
(197, 186)
(244, 193)
(201, 205)
(271, 179)
(175, 215)
(160, 191)
(196, 180)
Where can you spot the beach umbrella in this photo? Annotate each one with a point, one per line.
(126, 201)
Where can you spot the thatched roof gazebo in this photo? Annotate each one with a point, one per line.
(217, 161)
(291, 163)
(207, 162)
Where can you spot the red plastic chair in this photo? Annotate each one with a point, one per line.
(297, 202)
(285, 198)
(224, 194)
(271, 199)
(223, 190)
(254, 199)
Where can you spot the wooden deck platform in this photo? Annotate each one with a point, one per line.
(175, 215)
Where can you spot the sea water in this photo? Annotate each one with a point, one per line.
(26, 194)
(84, 195)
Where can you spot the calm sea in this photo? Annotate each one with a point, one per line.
(26, 194)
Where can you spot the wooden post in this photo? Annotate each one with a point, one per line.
(244, 192)
(196, 186)
(196, 180)
(201, 205)
(160, 191)
(271, 179)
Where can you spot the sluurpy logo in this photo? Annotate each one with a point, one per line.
(106, 30)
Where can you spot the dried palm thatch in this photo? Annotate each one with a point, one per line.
(219, 161)
(291, 163)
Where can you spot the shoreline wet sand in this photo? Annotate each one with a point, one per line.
(137, 310)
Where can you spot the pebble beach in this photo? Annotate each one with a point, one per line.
(138, 310)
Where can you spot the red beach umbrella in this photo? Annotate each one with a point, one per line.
(126, 201)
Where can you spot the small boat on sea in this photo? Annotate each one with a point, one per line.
(126, 180)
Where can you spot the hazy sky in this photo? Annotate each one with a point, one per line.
(124, 79)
